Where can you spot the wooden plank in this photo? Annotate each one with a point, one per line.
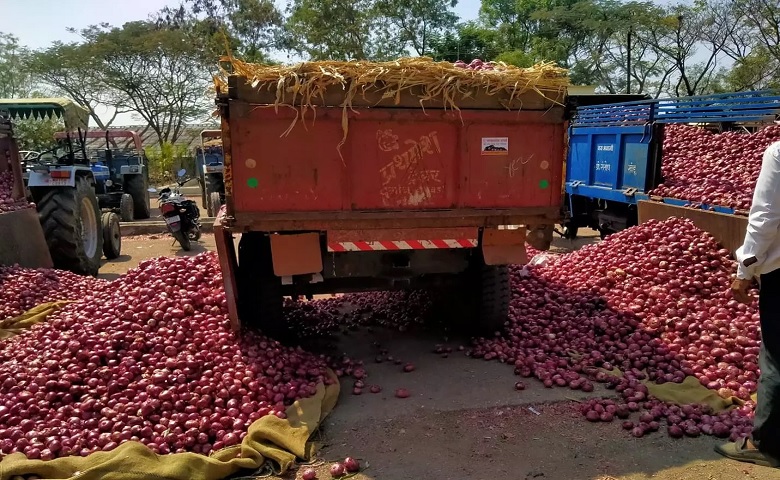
(729, 230)
(334, 97)
(23, 241)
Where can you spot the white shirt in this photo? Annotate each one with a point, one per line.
(762, 239)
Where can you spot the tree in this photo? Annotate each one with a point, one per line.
(251, 29)
(15, 79)
(755, 47)
(36, 134)
(605, 43)
(337, 30)
(157, 73)
(690, 30)
(74, 71)
(466, 42)
(416, 22)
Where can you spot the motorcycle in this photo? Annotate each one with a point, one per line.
(181, 215)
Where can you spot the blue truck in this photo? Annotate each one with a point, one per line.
(615, 152)
(209, 160)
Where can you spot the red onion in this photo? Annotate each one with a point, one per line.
(714, 169)
(402, 393)
(149, 355)
(351, 465)
(7, 201)
(309, 474)
(337, 470)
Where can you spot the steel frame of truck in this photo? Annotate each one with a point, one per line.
(346, 241)
(615, 154)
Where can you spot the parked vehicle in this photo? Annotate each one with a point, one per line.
(181, 215)
(210, 161)
(62, 185)
(615, 153)
(121, 173)
(315, 219)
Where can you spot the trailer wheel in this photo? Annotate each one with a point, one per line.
(112, 237)
(126, 208)
(137, 186)
(260, 295)
(494, 293)
(71, 224)
(215, 201)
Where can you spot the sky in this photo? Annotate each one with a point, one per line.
(38, 23)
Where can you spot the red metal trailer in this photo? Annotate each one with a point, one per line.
(407, 197)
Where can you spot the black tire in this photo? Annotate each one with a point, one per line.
(183, 239)
(63, 212)
(570, 232)
(137, 186)
(260, 294)
(126, 208)
(215, 202)
(112, 237)
(494, 292)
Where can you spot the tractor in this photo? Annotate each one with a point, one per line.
(121, 173)
(209, 160)
(62, 185)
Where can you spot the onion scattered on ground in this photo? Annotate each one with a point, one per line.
(652, 301)
(23, 288)
(149, 358)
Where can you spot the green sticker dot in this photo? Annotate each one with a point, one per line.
(252, 182)
(544, 184)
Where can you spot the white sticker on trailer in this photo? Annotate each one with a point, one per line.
(495, 146)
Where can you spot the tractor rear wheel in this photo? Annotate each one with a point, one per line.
(71, 224)
(112, 237)
(126, 208)
(138, 188)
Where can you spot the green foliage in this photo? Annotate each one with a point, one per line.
(249, 29)
(467, 42)
(36, 135)
(414, 23)
(335, 30)
(73, 70)
(165, 159)
(15, 78)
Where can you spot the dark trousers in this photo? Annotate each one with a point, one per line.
(766, 429)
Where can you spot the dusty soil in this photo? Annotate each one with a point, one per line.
(465, 420)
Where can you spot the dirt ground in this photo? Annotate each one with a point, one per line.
(465, 420)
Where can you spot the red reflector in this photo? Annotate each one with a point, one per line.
(60, 174)
(167, 207)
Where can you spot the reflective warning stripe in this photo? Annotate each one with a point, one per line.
(401, 245)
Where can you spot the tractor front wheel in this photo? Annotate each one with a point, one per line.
(112, 237)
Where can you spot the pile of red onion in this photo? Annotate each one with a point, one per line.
(23, 288)
(652, 300)
(150, 358)
(7, 202)
(718, 169)
(476, 64)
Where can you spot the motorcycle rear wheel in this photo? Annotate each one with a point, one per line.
(183, 240)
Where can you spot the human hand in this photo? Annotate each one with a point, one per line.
(739, 289)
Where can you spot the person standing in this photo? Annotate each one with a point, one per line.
(759, 259)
